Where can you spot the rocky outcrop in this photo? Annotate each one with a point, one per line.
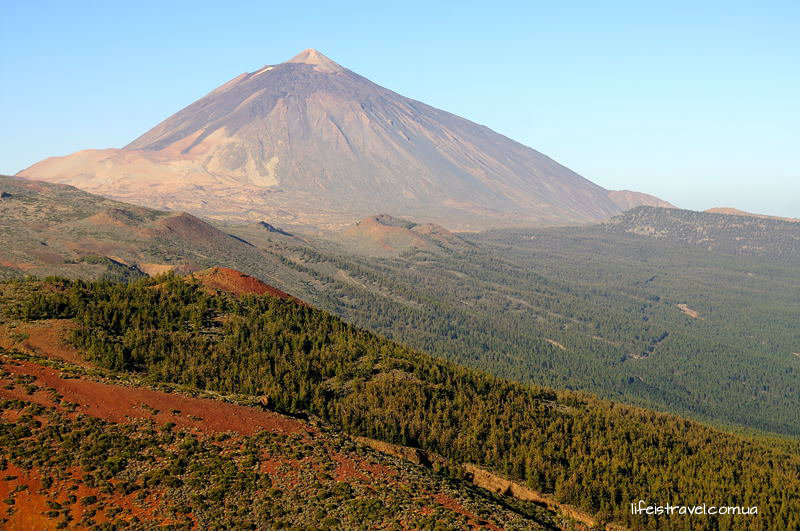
(485, 479)
(414, 455)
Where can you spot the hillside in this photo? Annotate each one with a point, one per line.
(86, 450)
(728, 232)
(225, 279)
(574, 308)
(627, 199)
(309, 142)
(385, 235)
(737, 212)
(585, 309)
(593, 454)
(50, 229)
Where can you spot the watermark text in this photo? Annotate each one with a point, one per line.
(643, 507)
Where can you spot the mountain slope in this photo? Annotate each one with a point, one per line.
(384, 235)
(48, 229)
(737, 212)
(612, 301)
(501, 301)
(86, 449)
(627, 199)
(591, 453)
(311, 142)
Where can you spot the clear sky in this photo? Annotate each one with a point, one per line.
(695, 102)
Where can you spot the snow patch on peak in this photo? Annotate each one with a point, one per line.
(265, 69)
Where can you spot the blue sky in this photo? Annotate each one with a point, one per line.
(695, 102)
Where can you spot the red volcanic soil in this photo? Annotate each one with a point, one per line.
(16, 265)
(120, 404)
(32, 501)
(34, 515)
(472, 520)
(237, 283)
(387, 233)
(46, 338)
(348, 469)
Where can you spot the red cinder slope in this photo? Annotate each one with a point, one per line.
(237, 283)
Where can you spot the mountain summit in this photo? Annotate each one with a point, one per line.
(321, 63)
(311, 142)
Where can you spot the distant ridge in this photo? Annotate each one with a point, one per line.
(627, 199)
(736, 212)
(51, 229)
(726, 233)
(309, 142)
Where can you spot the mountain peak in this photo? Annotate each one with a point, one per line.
(316, 59)
(308, 142)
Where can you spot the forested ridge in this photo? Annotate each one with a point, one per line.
(146, 474)
(579, 308)
(594, 454)
(653, 318)
(778, 239)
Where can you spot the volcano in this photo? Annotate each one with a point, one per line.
(309, 142)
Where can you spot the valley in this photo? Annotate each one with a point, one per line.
(503, 301)
(500, 301)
